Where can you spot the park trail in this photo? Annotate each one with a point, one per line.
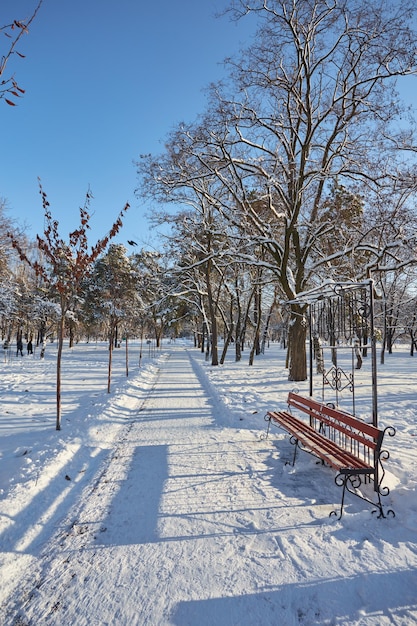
(187, 520)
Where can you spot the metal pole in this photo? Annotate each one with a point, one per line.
(373, 351)
(311, 349)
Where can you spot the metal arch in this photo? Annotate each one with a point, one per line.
(345, 310)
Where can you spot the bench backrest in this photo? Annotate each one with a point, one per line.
(351, 433)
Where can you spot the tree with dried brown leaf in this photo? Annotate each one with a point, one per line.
(9, 88)
(63, 266)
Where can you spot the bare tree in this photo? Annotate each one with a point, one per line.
(311, 107)
(313, 101)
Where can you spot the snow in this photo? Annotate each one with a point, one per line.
(162, 503)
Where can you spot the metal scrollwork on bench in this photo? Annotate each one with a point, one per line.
(353, 482)
(384, 455)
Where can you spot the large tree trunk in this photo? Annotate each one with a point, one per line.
(297, 355)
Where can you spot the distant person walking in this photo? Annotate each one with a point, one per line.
(19, 347)
(30, 347)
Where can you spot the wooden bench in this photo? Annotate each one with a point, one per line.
(349, 445)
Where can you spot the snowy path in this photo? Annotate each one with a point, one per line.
(189, 523)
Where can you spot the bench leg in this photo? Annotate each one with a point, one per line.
(382, 492)
(294, 442)
(341, 481)
(351, 483)
(267, 419)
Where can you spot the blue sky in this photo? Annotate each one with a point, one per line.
(105, 81)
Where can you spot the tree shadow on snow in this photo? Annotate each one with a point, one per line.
(33, 525)
(134, 509)
(391, 595)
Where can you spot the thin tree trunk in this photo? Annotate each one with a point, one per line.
(245, 323)
(255, 347)
(257, 320)
(127, 358)
(267, 323)
(229, 335)
(238, 350)
(384, 338)
(213, 319)
(58, 371)
(71, 337)
(110, 361)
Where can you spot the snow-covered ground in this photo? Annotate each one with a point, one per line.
(162, 503)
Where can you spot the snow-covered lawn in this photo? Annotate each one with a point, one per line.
(162, 503)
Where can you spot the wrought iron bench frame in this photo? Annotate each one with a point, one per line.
(340, 440)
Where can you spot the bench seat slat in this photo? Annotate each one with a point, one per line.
(324, 448)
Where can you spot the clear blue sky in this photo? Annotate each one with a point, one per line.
(105, 81)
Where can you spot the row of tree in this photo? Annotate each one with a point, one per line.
(58, 289)
(302, 168)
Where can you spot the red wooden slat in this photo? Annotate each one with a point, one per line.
(344, 422)
(324, 448)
